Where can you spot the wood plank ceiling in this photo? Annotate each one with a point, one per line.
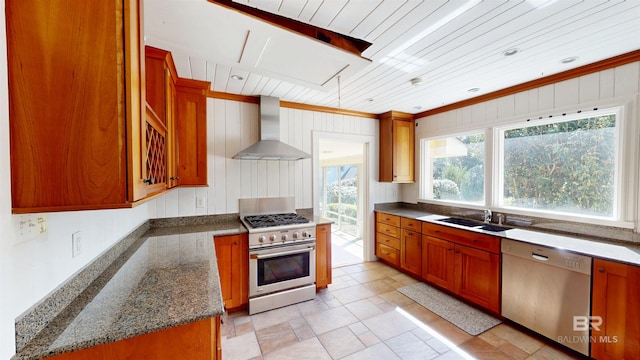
(455, 47)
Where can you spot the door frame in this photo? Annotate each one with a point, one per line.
(368, 143)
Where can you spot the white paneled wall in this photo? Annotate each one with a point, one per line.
(233, 126)
(619, 86)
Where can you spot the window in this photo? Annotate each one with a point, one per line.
(566, 166)
(455, 168)
(571, 167)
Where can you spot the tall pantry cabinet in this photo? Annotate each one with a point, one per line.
(76, 104)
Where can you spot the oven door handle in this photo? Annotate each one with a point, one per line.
(290, 252)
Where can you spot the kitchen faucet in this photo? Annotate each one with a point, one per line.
(487, 216)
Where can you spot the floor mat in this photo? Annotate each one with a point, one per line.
(467, 318)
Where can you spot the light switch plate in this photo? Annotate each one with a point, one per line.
(76, 244)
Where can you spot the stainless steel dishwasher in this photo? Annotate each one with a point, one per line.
(543, 289)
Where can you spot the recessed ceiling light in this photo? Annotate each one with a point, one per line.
(237, 77)
(416, 81)
(569, 59)
(474, 90)
(511, 52)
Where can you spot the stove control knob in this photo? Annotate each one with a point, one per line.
(272, 238)
(306, 234)
(296, 235)
(262, 238)
(284, 237)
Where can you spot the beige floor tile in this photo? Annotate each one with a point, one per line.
(274, 317)
(396, 298)
(367, 276)
(342, 282)
(330, 320)
(379, 286)
(523, 341)
(241, 347)
(389, 324)
(312, 306)
(368, 338)
(310, 349)
(421, 313)
(304, 333)
(353, 293)
(379, 351)
(550, 353)
(275, 337)
(513, 351)
(244, 328)
(341, 342)
(449, 331)
(363, 309)
(492, 339)
(404, 279)
(408, 346)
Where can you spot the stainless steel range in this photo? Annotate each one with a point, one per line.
(282, 253)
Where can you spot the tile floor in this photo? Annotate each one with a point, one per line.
(362, 316)
(346, 248)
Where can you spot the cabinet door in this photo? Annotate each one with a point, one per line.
(232, 254)
(66, 103)
(477, 277)
(154, 172)
(616, 290)
(323, 255)
(411, 252)
(403, 151)
(191, 124)
(437, 261)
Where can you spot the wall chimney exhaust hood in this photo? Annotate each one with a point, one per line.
(270, 147)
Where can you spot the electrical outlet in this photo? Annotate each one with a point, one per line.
(42, 223)
(76, 244)
(199, 202)
(200, 244)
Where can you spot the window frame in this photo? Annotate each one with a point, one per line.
(626, 165)
(498, 188)
(426, 185)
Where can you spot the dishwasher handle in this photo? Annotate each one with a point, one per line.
(539, 257)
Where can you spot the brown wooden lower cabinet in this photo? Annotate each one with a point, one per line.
(615, 294)
(437, 261)
(232, 254)
(477, 277)
(470, 273)
(323, 256)
(198, 340)
(411, 252)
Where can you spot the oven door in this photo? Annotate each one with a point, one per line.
(281, 268)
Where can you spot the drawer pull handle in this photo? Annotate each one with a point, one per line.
(601, 271)
(474, 240)
(449, 249)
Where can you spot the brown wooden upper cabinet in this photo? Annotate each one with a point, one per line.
(160, 82)
(191, 135)
(76, 104)
(397, 147)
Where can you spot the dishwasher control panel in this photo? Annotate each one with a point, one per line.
(546, 255)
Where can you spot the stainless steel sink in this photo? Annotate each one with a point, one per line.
(475, 224)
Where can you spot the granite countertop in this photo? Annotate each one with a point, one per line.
(623, 252)
(167, 277)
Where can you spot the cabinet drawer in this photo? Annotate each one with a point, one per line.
(388, 254)
(393, 220)
(388, 241)
(410, 224)
(463, 237)
(387, 229)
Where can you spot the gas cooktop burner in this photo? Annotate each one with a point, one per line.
(261, 221)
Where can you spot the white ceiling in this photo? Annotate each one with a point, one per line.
(452, 45)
